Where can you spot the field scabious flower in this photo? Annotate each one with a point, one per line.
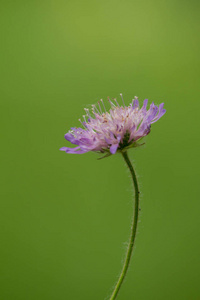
(117, 130)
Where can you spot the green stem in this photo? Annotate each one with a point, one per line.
(133, 229)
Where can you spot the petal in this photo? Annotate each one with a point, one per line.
(75, 150)
(151, 113)
(135, 103)
(119, 137)
(113, 148)
(161, 112)
(108, 141)
(63, 149)
(145, 103)
(132, 130)
(143, 130)
(69, 137)
(87, 141)
(143, 109)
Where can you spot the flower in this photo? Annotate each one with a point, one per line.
(117, 130)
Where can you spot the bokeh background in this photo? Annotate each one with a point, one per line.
(65, 219)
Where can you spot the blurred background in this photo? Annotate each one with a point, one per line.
(65, 219)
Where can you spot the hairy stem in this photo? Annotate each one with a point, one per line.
(133, 229)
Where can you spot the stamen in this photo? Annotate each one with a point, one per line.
(94, 107)
(87, 112)
(122, 99)
(103, 104)
(111, 103)
(93, 111)
(116, 102)
(100, 107)
(82, 123)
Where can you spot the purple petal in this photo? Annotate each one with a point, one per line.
(135, 103)
(63, 149)
(143, 109)
(143, 130)
(161, 112)
(151, 113)
(86, 141)
(73, 150)
(145, 103)
(76, 129)
(69, 137)
(132, 130)
(118, 137)
(113, 148)
(108, 141)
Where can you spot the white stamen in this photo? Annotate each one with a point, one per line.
(94, 107)
(122, 99)
(93, 111)
(116, 102)
(111, 103)
(100, 107)
(103, 104)
(82, 123)
(87, 112)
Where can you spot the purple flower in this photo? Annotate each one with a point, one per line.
(108, 132)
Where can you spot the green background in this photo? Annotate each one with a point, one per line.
(65, 219)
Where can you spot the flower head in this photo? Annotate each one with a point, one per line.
(108, 132)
